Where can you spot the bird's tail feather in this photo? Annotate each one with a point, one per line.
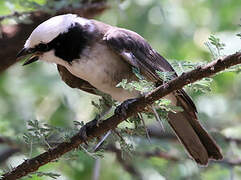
(199, 144)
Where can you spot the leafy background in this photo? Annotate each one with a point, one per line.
(178, 29)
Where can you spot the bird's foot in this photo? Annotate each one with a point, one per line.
(83, 134)
(98, 120)
(121, 109)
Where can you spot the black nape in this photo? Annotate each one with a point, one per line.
(69, 45)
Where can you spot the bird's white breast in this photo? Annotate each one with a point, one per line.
(103, 69)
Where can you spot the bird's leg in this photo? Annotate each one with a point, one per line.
(83, 134)
(105, 106)
(144, 124)
(96, 148)
(157, 117)
(100, 117)
(121, 109)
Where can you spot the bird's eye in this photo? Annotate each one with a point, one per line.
(42, 47)
(30, 51)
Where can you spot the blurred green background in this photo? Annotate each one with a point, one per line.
(177, 29)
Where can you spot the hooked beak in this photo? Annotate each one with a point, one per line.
(31, 59)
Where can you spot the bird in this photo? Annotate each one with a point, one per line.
(98, 56)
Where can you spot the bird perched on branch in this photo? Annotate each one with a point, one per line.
(99, 56)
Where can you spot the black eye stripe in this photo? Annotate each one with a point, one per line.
(42, 47)
(31, 50)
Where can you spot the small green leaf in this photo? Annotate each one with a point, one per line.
(215, 46)
(166, 76)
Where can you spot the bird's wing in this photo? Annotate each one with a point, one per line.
(75, 82)
(137, 52)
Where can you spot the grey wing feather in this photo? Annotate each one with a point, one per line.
(137, 52)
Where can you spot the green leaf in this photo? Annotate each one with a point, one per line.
(215, 46)
(201, 86)
(166, 76)
(41, 174)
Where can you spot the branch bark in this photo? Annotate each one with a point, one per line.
(96, 129)
(234, 162)
(12, 37)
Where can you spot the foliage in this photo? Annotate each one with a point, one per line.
(215, 46)
(40, 174)
(38, 109)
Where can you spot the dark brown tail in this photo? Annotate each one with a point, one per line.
(199, 144)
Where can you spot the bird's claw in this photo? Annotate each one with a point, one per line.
(83, 134)
(121, 109)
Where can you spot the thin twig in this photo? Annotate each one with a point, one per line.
(230, 162)
(160, 154)
(155, 132)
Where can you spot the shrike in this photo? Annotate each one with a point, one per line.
(101, 56)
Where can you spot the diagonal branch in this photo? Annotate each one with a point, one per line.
(96, 129)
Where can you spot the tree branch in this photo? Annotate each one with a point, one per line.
(236, 162)
(160, 154)
(155, 132)
(96, 129)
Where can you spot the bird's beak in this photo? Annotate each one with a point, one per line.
(25, 52)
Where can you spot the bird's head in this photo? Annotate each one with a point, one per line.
(59, 39)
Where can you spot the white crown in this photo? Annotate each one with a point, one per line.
(50, 29)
